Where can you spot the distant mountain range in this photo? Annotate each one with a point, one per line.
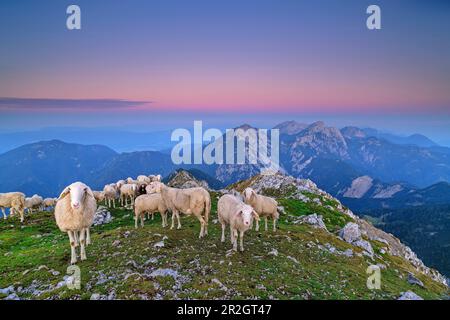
(350, 163)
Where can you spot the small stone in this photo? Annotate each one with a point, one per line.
(95, 296)
(273, 252)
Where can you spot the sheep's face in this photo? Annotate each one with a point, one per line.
(78, 192)
(248, 193)
(247, 214)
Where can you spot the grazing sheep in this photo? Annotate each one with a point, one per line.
(34, 203)
(232, 211)
(128, 191)
(264, 206)
(13, 200)
(143, 180)
(99, 195)
(149, 203)
(74, 214)
(196, 201)
(49, 203)
(110, 192)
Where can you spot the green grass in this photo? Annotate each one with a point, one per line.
(251, 274)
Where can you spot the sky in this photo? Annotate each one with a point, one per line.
(159, 64)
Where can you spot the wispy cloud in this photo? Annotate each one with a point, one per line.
(69, 105)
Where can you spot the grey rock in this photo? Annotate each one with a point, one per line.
(413, 280)
(350, 233)
(409, 295)
(314, 220)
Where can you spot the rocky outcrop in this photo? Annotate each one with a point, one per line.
(313, 220)
(409, 295)
(102, 216)
(183, 180)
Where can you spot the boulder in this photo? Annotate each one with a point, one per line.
(350, 233)
(314, 220)
(409, 295)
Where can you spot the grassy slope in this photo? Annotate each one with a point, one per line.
(125, 269)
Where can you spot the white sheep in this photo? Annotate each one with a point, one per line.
(110, 192)
(143, 179)
(13, 200)
(74, 214)
(238, 215)
(120, 183)
(128, 191)
(154, 178)
(34, 203)
(196, 201)
(264, 206)
(149, 203)
(99, 195)
(49, 203)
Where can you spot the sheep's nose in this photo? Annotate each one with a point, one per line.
(246, 223)
(76, 205)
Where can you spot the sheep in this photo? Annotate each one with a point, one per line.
(143, 180)
(13, 200)
(232, 211)
(264, 206)
(110, 192)
(120, 183)
(196, 201)
(34, 203)
(154, 178)
(74, 214)
(49, 203)
(149, 203)
(99, 195)
(127, 191)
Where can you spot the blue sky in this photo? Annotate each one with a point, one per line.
(161, 64)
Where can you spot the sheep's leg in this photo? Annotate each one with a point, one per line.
(153, 216)
(76, 237)
(4, 213)
(136, 217)
(231, 235)
(274, 225)
(202, 226)
(242, 240)
(114, 203)
(178, 220)
(83, 244)
(142, 220)
(223, 232)
(265, 220)
(21, 215)
(73, 258)
(88, 236)
(235, 236)
(257, 225)
(173, 220)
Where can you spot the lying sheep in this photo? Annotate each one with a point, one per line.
(74, 214)
(264, 206)
(99, 196)
(196, 201)
(34, 203)
(49, 203)
(232, 211)
(149, 203)
(128, 191)
(110, 193)
(13, 200)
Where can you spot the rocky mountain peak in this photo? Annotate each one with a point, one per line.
(290, 127)
(353, 132)
(184, 179)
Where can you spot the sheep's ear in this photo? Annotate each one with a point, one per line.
(239, 213)
(255, 215)
(65, 192)
(89, 192)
